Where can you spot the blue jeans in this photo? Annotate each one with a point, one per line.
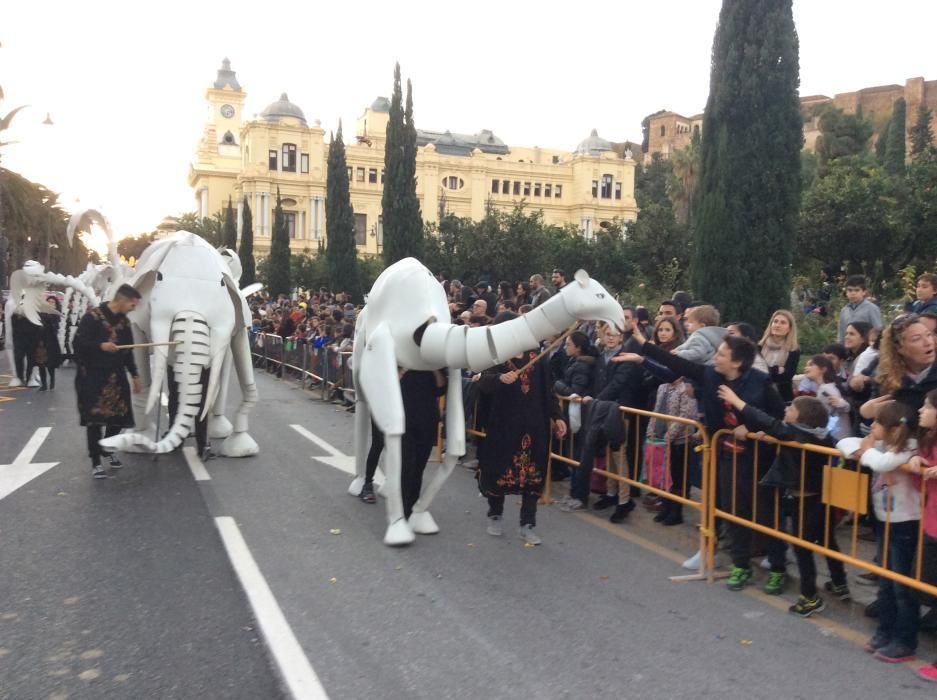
(899, 610)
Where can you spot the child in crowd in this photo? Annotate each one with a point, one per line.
(925, 464)
(897, 501)
(858, 308)
(703, 334)
(925, 294)
(819, 371)
(805, 421)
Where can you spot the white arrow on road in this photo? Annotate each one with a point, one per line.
(22, 470)
(336, 459)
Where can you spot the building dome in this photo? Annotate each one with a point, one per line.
(381, 104)
(594, 145)
(283, 108)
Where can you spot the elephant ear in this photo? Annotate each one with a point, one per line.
(241, 312)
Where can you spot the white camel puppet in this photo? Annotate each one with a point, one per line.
(189, 295)
(28, 299)
(406, 324)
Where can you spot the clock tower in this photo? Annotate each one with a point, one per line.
(218, 156)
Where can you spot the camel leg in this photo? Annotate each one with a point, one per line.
(362, 441)
(421, 520)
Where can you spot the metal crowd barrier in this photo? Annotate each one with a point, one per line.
(844, 488)
(662, 467)
(325, 369)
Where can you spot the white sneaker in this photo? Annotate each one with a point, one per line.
(529, 536)
(573, 504)
(494, 526)
(693, 562)
(765, 564)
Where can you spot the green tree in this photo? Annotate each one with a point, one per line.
(278, 266)
(841, 135)
(922, 136)
(246, 251)
(229, 230)
(403, 224)
(895, 147)
(681, 185)
(850, 219)
(749, 185)
(208, 228)
(133, 246)
(340, 251)
(882, 143)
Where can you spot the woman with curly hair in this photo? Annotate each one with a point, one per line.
(906, 367)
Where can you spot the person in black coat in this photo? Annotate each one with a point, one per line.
(732, 366)
(579, 375)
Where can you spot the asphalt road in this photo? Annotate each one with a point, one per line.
(123, 588)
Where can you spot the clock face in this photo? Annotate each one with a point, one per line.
(227, 111)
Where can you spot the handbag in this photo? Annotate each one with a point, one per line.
(657, 464)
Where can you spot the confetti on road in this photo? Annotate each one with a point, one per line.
(746, 642)
(471, 544)
(335, 531)
(333, 580)
(603, 578)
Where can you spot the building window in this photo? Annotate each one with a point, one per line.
(663, 130)
(526, 189)
(453, 183)
(595, 189)
(505, 187)
(556, 160)
(380, 231)
(617, 190)
(349, 173)
(547, 190)
(289, 158)
(361, 229)
(516, 188)
(606, 186)
(495, 187)
(290, 218)
(372, 176)
(272, 160)
(359, 174)
(558, 191)
(382, 176)
(304, 163)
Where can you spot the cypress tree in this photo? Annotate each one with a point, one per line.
(229, 232)
(882, 143)
(749, 188)
(922, 136)
(246, 251)
(278, 267)
(895, 148)
(403, 223)
(341, 253)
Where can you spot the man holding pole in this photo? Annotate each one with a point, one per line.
(102, 366)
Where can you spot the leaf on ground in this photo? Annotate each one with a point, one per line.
(603, 578)
(745, 642)
(333, 580)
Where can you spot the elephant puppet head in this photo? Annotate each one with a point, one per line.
(193, 301)
(587, 299)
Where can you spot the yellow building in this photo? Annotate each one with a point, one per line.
(456, 173)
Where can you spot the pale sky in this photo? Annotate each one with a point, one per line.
(124, 82)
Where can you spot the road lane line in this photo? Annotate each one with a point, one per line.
(32, 447)
(22, 470)
(196, 466)
(316, 440)
(295, 669)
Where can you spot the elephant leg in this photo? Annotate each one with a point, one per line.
(218, 424)
(421, 520)
(362, 441)
(239, 443)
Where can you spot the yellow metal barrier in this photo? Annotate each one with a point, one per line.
(628, 474)
(843, 488)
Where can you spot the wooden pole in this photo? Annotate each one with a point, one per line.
(550, 347)
(147, 345)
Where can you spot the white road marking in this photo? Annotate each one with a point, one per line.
(21, 471)
(336, 460)
(196, 466)
(295, 669)
(316, 440)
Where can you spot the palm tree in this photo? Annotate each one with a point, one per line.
(681, 185)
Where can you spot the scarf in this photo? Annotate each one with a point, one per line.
(775, 354)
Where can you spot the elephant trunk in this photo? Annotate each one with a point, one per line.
(192, 357)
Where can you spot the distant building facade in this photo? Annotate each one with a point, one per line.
(669, 131)
(458, 174)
